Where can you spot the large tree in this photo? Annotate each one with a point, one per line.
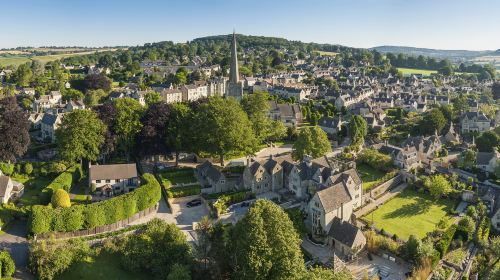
(152, 138)
(80, 136)
(358, 129)
(487, 142)
(128, 121)
(97, 81)
(433, 121)
(14, 127)
(223, 127)
(107, 113)
(179, 135)
(312, 141)
(257, 106)
(438, 186)
(265, 245)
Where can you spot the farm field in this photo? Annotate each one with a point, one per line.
(17, 60)
(327, 53)
(410, 213)
(410, 71)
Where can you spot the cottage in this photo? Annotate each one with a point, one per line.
(49, 124)
(212, 180)
(346, 238)
(112, 179)
(474, 122)
(330, 125)
(289, 114)
(9, 189)
(487, 161)
(267, 175)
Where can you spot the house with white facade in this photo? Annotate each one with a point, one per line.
(112, 179)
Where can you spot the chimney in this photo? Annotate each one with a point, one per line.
(342, 211)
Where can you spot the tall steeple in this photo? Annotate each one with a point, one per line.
(235, 86)
(234, 75)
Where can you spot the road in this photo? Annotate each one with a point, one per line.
(14, 240)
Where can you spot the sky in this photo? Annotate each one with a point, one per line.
(441, 24)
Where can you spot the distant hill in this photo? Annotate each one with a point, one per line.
(450, 54)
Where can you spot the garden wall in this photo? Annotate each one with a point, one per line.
(100, 229)
(387, 185)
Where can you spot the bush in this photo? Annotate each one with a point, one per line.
(376, 159)
(63, 181)
(28, 168)
(183, 191)
(7, 266)
(6, 168)
(443, 244)
(46, 219)
(60, 199)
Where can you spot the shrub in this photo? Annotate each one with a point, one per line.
(183, 191)
(28, 168)
(443, 244)
(6, 168)
(60, 198)
(7, 266)
(45, 219)
(63, 181)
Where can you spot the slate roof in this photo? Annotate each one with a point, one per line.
(113, 171)
(49, 119)
(484, 158)
(345, 232)
(333, 197)
(4, 181)
(209, 170)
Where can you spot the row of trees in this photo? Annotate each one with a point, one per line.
(215, 126)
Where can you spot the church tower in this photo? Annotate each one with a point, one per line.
(235, 86)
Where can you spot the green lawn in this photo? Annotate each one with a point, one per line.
(410, 71)
(410, 213)
(178, 176)
(104, 266)
(33, 187)
(369, 176)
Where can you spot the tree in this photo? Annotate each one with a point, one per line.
(467, 159)
(321, 273)
(264, 245)
(493, 249)
(158, 249)
(488, 141)
(94, 97)
(60, 199)
(28, 168)
(80, 136)
(358, 130)
(312, 141)
(439, 186)
(7, 265)
(495, 89)
(179, 272)
(23, 75)
(107, 113)
(128, 121)
(97, 81)
(72, 94)
(256, 106)
(433, 121)
(461, 104)
(152, 97)
(224, 127)
(467, 226)
(151, 140)
(411, 248)
(178, 132)
(14, 127)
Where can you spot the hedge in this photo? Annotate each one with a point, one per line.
(174, 192)
(47, 219)
(443, 244)
(63, 181)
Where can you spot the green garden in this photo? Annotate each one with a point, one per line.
(369, 175)
(410, 212)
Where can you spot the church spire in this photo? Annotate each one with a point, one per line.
(234, 75)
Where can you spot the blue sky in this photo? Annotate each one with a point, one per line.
(444, 24)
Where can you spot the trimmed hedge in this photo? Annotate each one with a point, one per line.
(46, 219)
(443, 244)
(63, 181)
(174, 192)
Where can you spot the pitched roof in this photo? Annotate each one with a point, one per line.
(4, 181)
(49, 119)
(113, 171)
(333, 197)
(484, 158)
(345, 232)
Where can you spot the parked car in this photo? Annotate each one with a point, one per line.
(193, 203)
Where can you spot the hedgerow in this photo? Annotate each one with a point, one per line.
(47, 219)
(63, 181)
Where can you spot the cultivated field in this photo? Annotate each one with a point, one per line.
(410, 71)
(410, 213)
(328, 53)
(16, 60)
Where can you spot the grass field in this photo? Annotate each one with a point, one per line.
(410, 213)
(32, 188)
(328, 53)
(410, 71)
(369, 176)
(177, 176)
(104, 266)
(17, 60)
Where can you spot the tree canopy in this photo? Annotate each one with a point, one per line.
(14, 127)
(311, 141)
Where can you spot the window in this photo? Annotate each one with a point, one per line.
(97, 181)
(108, 181)
(117, 180)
